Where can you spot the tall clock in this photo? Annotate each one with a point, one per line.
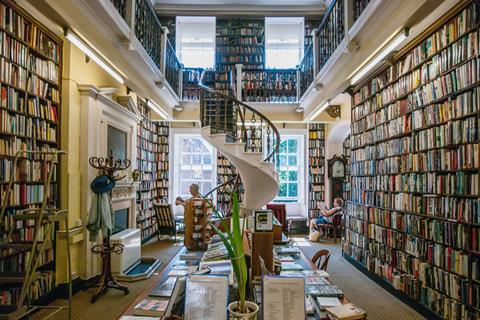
(336, 174)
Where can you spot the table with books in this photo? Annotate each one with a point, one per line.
(209, 275)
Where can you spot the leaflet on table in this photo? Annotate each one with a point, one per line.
(206, 297)
(283, 298)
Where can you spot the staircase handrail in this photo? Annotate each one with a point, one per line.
(242, 118)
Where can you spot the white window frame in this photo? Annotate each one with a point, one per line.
(197, 44)
(270, 23)
(176, 161)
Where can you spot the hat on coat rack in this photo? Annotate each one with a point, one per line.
(102, 184)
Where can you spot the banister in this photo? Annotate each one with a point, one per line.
(263, 118)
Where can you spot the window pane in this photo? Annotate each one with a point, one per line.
(283, 176)
(185, 187)
(292, 175)
(186, 174)
(292, 145)
(196, 159)
(207, 175)
(207, 159)
(292, 160)
(283, 190)
(283, 146)
(197, 172)
(186, 159)
(283, 160)
(293, 190)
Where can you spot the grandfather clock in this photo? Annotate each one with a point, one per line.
(336, 174)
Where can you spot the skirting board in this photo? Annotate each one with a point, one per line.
(415, 305)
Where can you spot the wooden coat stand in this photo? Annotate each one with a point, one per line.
(108, 166)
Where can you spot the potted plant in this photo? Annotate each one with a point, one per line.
(233, 241)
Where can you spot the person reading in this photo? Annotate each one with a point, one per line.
(194, 191)
(325, 218)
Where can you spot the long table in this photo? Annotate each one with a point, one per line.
(158, 278)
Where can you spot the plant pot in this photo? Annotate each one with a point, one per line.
(235, 315)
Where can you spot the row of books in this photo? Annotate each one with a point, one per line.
(234, 50)
(23, 194)
(43, 89)
(19, 261)
(463, 157)
(27, 170)
(31, 127)
(13, 49)
(269, 96)
(234, 41)
(12, 99)
(316, 160)
(43, 284)
(9, 146)
(12, 74)
(256, 30)
(42, 109)
(244, 59)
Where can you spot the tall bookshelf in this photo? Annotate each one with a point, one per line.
(153, 164)
(226, 171)
(316, 173)
(30, 105)
(240, 41)
(269, 85)
(347, 154)
(413, 218)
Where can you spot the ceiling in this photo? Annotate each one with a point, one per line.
(248, 7)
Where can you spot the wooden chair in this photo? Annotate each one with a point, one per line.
(165, 220)
(280, 212)
(324, 255)
(335, 226)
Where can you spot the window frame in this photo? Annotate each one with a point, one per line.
(299, 46)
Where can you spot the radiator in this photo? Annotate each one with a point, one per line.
(130, 238)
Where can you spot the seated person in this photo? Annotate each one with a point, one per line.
(193, 191)
(325, 218)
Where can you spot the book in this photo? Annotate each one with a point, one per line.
(165, 289)
(311, 275)
(151, 307)
(289, 266)
(347, 311)
(326, 302)
(316, 289)
(330, 290)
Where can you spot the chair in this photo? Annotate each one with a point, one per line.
(280, 212)
(335, 226)
(165, 220)
(324, 255)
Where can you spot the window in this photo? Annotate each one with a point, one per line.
(283, 42)
(290, 169)
(195, 41)
(194, 162)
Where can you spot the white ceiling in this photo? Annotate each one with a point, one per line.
(246, 2)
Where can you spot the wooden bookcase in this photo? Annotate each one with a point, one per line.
(413, 218)
(30, 107)
(226, 171)
(269, 85)
(197, 230)
(240, 41)
(347, 155)
(153, 164)
(316, 173)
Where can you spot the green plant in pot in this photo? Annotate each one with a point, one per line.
(233, 241)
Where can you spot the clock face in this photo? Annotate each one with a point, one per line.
(338, 170)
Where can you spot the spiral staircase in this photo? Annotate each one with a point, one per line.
(245, 137)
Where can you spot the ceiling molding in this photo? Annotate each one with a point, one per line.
(233, 10)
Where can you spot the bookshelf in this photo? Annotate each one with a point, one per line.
(226, 171)
(30, 105)
(153, 164)
(269, 85)
(316, 174)
(413, 216)
(239, 41)
(347, 155)
(191, 91)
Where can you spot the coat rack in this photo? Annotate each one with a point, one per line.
(108, 166)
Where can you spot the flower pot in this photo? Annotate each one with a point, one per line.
(235, 315)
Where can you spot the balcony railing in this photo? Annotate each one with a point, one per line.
(148, 30)
(121, 6)
(331, 31)
(306, 70)
(172, 68)
(358, 7)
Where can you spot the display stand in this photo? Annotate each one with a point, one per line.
(196, 217)
(108, 166)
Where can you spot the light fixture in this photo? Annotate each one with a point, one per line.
(178, 108)
(79, 43)
(385, 52)
(324, 106)
(157, 109)
(299, 109)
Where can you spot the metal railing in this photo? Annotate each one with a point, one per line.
(240, 122)
(331, 31)
(148, 30)
(306, 68)
(172, 67)
(358, 6)
(121, 6)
